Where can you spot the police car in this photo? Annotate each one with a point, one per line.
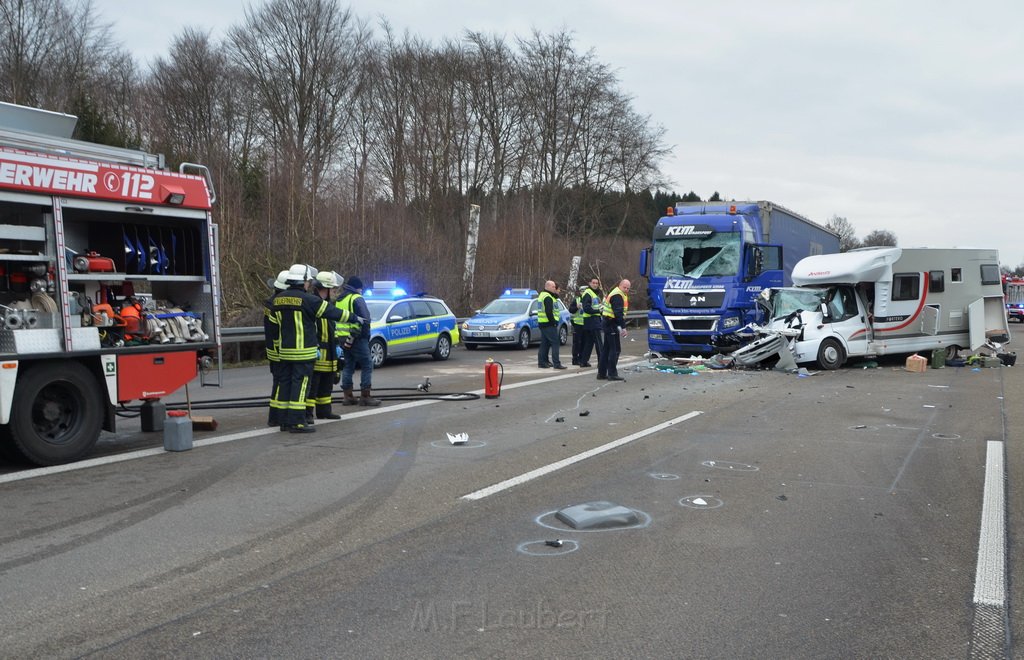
(512, 320)
(403, 324)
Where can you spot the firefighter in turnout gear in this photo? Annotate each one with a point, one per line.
(354, 335)
(296, 313)
(272, 337)
(318, 399)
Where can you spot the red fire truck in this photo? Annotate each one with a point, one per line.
(108, 284)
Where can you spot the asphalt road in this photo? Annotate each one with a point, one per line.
(835, 515)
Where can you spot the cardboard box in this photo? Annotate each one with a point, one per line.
(917, 363)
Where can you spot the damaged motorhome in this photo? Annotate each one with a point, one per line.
(889, 300)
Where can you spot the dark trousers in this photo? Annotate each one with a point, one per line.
(292, 393)
(608, 365)
(577, 342)
(548, 344)
(591, 341)
(277, 373)
(321, 388)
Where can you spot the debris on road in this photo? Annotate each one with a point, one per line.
(458, 438)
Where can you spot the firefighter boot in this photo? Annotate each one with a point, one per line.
(366, 400)
(325, 412)
(349, 400)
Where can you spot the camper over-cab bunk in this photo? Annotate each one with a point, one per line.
(884, 301)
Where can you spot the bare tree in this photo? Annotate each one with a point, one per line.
(301, 57)
(878, 238)
(847, 237)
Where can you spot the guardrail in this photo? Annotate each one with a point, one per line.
(255, 333)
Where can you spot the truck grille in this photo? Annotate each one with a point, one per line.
(694, 299)
(699, 324)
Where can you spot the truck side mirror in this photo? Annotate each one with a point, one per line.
(645, 258)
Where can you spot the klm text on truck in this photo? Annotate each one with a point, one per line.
(709, 262)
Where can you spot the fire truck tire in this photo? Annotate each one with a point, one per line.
(831, 355)
(378, 353)
(443, 349)
(524, 339)
(57, 415)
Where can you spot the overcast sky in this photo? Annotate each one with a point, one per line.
(902, 115)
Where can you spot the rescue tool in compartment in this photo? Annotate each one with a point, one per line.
(108, 284)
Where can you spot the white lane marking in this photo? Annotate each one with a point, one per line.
(565, 462)
(990, 575)
(243, 435)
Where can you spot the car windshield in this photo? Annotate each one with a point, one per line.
(377, 308)
(506, 307)
(787, 301)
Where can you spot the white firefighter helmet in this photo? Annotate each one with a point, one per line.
(299, 273)
(327, 279)
(282, 280)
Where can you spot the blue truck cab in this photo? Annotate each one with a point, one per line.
(708, 263)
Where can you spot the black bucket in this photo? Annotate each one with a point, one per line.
(1008, 359)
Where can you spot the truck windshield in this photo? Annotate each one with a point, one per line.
(786, 301)
(717, 255)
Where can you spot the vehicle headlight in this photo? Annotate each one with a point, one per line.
(656, 324)
(730, 322)
(465, 325)
(507, 325)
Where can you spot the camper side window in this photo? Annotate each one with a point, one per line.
(936, 281)
(956, 275)
(990, 274)
(906, 286)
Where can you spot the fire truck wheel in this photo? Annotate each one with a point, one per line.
(443, 349)
(524, 339)
(57, 415)
(378, 352)
(831, 354)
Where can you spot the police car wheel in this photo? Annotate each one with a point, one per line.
(563, 334)
(378, 353)
(524, 339)
(443, 349)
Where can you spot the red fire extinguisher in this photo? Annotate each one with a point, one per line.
(493, 374)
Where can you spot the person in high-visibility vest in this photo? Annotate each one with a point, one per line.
(590, 309)
(616, 304)
(355, 339)
(325, 369)
(296, 312)
(547, 320)
(272, 338)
